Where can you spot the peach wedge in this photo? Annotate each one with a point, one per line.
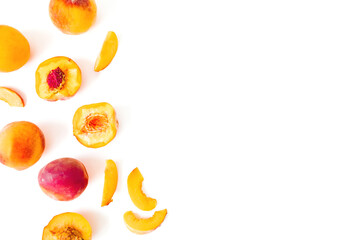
(67, 225)
(11, 97)
(110, 182)
(95, 125)
(138, 197)
(144, 225)
(107, 53)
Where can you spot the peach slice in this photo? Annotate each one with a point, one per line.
(108, 51)
(110, 182)
(138, 197)
(69, 225)
(95, 125)
(57, 78)
(14, 49)
(73, 16)
(11, 97)
(144, 225)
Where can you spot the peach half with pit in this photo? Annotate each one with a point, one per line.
(95, 125)
(73, 16)
(138, 197)
(11, 97)
(22, 143)
(14, 49)
(110, 182)
(67, 226)
(57, 78)
(140, 225)
(63, 179)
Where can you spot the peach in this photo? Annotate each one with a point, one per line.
(110, 182)
(63, 179)
(107, 53)
(72, 16)
(67, 226)
(11, 97)
(138, 197)
(57, 78)
(95, 125)
(140, 225)
(14, 49)
(21, 144)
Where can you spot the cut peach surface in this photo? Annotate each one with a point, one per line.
(138, 197)
(140, 225)
(67, 226)
(95, 125)
(108, 51)
(11, 97)
(14, 49)
(57, 78)
(110, 182)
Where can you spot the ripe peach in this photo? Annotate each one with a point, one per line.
(63, 179)
(57, 78)
(14, 49)
(72, 16)
(21, 145)
(95, 125)
(67, 226)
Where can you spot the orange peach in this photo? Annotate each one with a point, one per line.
(67, 226)
(57, 78)
(138, 197)
(95, 125)
(107, 53)
(110, 182)
(11, 97)
(73, 16)
(14, 49)
(140, 225)
(21, 145)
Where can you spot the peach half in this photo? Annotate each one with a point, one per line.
(14, 49)
(11, 97)
(107, 53)
(57, 78)
(140, 225)
(67, 226)
(110, 182)
(95, 125)
(72, 16)
(21, 144)
(138, 197)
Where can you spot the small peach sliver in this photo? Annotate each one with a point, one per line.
(110, 182)
(140, 225)
(108, 51)
(11, 97)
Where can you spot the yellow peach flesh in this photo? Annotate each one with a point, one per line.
(140, 225)
(110, 182)
(108, 51)
(138, 197)
(11, 97)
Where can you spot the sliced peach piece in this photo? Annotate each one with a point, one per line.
(57, 78)
(137, 196)
(67, 225)
(108, 51)
(95, 125)
(11, 97)
(110, 182)
(140, 225)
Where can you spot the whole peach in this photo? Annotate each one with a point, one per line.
(21, 144)
(63, 179)
(73, 16)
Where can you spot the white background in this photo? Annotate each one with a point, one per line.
(243, 117)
